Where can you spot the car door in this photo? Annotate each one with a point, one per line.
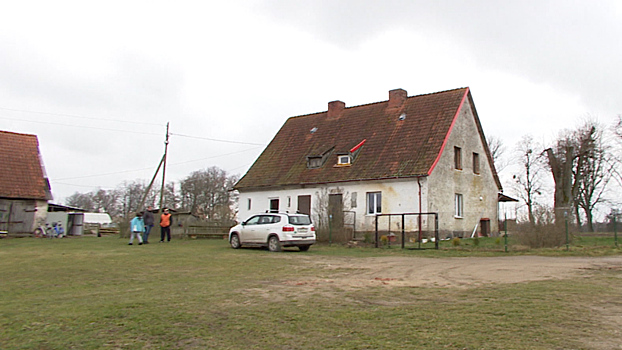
(263, 228)
(249, 228)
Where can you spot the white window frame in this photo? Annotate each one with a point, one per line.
(344, 159)
(374, 203)
(458, 205)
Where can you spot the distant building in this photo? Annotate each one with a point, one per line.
(24, 186)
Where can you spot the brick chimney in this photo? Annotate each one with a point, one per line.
(397, 98)
(335, 108)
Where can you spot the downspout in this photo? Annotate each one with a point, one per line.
(419, 183)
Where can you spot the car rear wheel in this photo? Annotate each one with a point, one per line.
(303, 248)
(235, 241)
(274, 245)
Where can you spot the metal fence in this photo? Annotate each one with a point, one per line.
(401, 229)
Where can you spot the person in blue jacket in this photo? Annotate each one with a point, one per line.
(137, 227)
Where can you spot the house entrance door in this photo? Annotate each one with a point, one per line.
(335, 210)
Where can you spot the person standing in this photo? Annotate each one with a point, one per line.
(166, 220)
(137, 227)
(149, 221)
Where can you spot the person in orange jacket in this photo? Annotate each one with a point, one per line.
(166, 220)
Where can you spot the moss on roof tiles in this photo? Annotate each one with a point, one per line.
(394, 148)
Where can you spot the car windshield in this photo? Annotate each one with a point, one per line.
(300, 220)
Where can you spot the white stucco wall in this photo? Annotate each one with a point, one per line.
(398, 196)
(479, 191)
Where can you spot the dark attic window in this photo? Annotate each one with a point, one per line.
(314, 162)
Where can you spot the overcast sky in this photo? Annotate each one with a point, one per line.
(97, 82)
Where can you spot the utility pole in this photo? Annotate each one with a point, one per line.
(163, 171)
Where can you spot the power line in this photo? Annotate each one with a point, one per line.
(143, 169)
(82, 126)
(131, 131)
(76, 116)
(219, 140)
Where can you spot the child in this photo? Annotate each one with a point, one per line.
(137, 227)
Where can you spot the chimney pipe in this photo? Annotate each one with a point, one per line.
(397, 98)
(335, 109)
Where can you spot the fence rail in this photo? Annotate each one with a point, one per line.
(402, 225)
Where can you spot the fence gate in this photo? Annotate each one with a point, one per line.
(410, 230)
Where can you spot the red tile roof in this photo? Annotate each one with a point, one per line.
(393, 148)
(21, 172)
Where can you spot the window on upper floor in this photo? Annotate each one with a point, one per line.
(475, 163)
(458, 158)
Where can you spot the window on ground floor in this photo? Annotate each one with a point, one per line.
(458, 206)
(374, 203)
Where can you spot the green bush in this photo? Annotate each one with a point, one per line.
(475, 241)
(456, 241)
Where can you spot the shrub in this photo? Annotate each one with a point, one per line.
(384, 239)
(456, 241)
(542, 236)
(475, 241)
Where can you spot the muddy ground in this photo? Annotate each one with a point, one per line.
(347, 273)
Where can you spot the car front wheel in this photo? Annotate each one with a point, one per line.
(235, 241)
(274, 245)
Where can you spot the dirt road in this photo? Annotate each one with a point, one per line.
(347, 272)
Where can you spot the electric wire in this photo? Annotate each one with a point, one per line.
(150, 168)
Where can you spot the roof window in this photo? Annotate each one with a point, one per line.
(343, 159)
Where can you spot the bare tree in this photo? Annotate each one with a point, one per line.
(81, 200)
(578, 164)
(561, 158)
(592, 171)
(497, 150)
(528, 182)
(107, 201)
(130, 196)
(207, 193)
(102, 201)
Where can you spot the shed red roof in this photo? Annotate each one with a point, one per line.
(21, 172)
(394, 147)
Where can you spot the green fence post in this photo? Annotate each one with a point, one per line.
(505, 228)
(330, 229)
(615, 232)
(567, 247)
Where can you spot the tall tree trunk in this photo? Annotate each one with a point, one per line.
(562, 175)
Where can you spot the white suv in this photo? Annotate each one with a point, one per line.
(274, 230)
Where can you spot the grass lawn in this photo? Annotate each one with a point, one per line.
(94, 293)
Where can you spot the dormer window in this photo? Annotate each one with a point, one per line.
(343, 159)
(314, 162)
